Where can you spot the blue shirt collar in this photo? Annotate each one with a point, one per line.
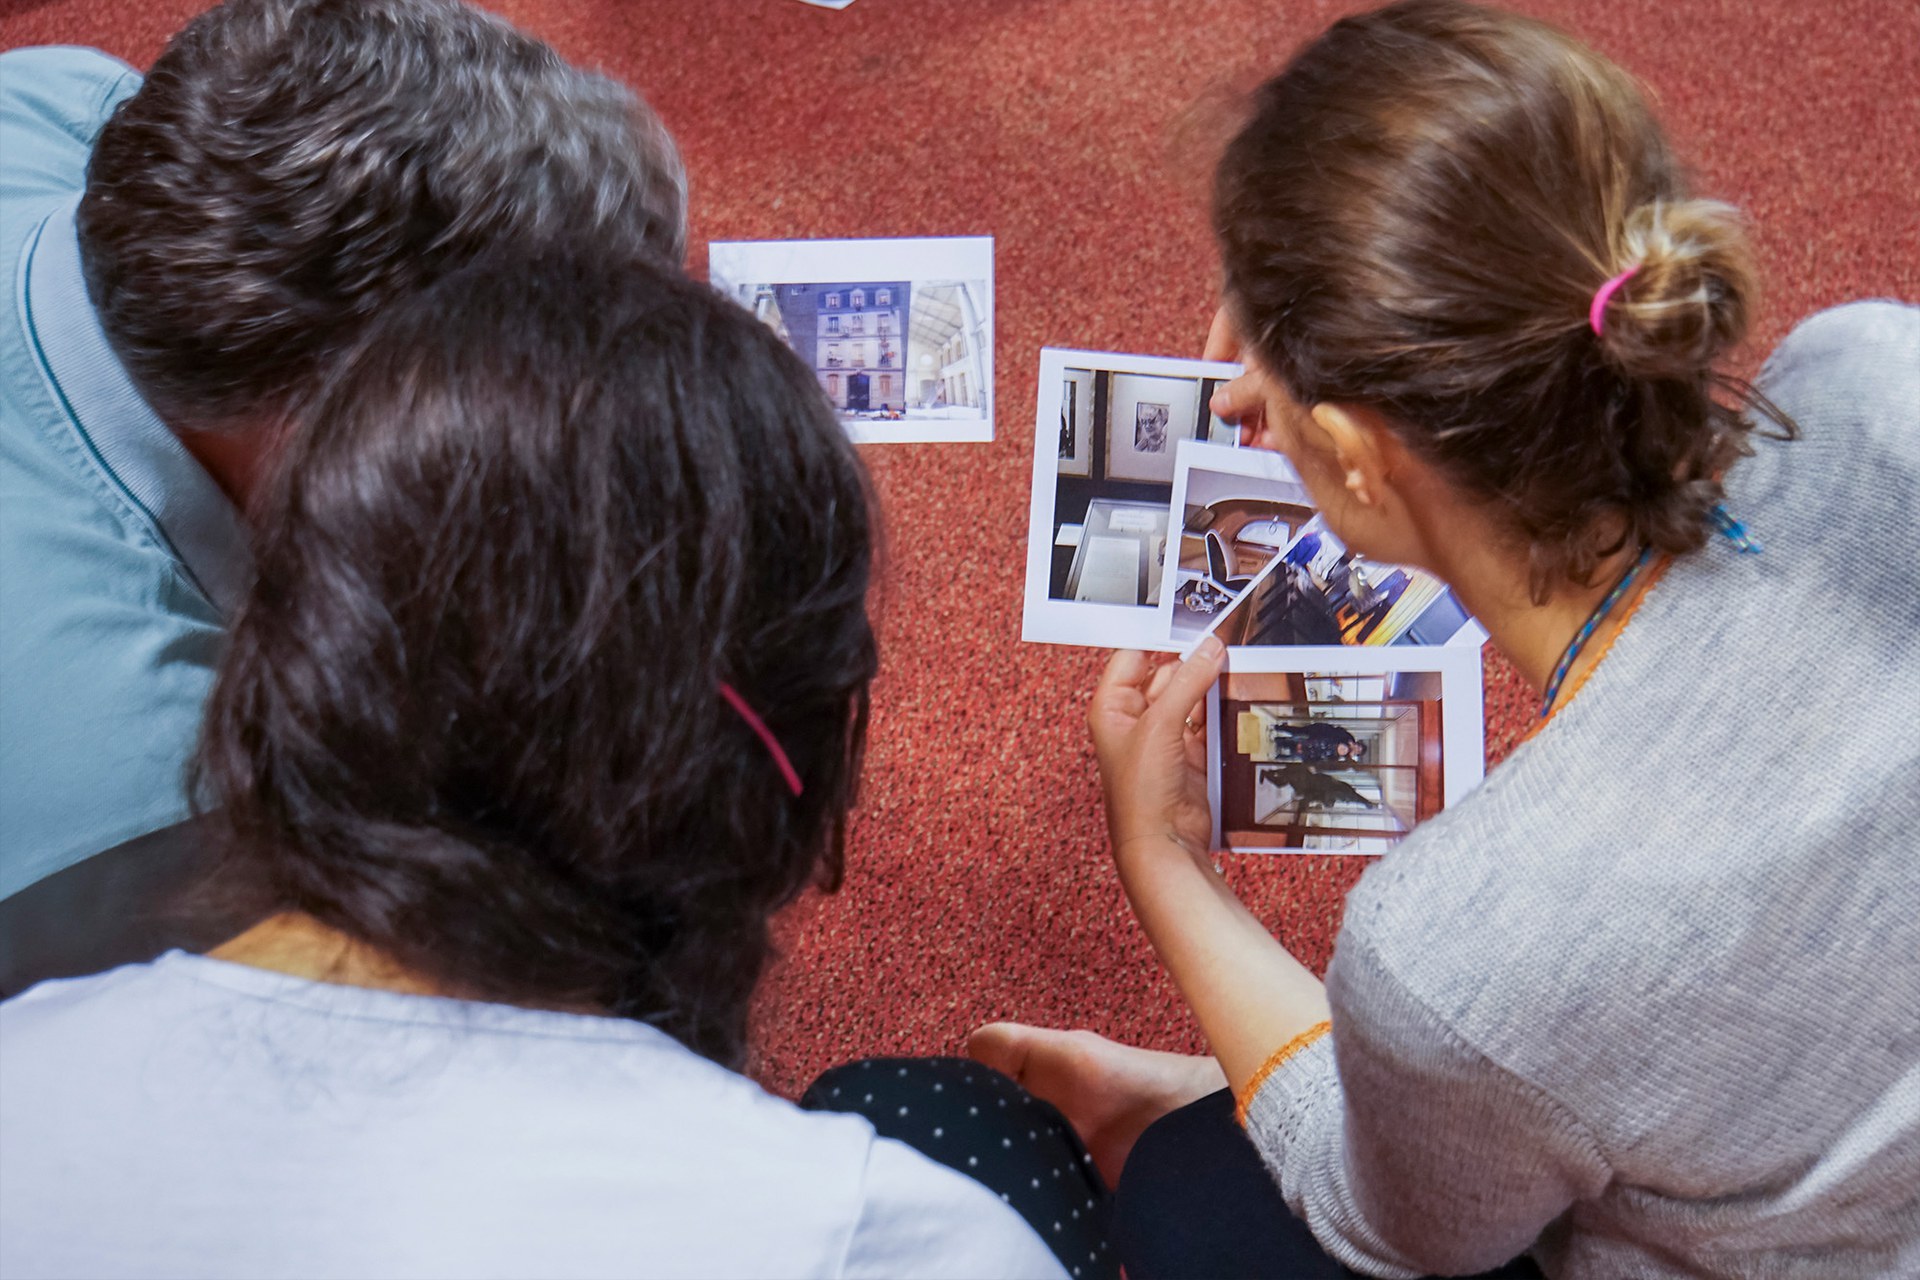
(139, 455)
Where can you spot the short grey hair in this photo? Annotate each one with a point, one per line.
(290, 168)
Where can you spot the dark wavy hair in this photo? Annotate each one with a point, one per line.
(469, 714)
(290, 168)
(1416, 215)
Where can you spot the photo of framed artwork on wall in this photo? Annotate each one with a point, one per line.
(1107, 431)
(1076, 423)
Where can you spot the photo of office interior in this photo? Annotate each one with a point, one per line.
(1323, 594)
(1119, 434)
(1327, 763)
(1232, 528)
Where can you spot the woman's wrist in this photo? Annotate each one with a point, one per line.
(1155, 848)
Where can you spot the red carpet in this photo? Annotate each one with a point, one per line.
(979, 886)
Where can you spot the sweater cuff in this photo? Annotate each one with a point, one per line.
(1281, 1057)
(1282, 1102)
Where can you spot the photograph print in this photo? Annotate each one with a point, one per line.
(1106, 435)
(1320, 593)
(1306, 758)
(898, 333)
(1238, 510)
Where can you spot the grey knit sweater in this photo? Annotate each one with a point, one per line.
(1647, 1003)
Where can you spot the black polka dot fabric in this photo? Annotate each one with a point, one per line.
(977, 1121)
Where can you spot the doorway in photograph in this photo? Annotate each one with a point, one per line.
(857, 393)
(1328, 763)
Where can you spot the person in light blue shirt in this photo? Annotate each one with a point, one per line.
(186, 255)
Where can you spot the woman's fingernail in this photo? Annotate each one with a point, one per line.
(1210, 648)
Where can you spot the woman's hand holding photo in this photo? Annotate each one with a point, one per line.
(1147, 726)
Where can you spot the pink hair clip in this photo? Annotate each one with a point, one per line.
(1597, 313)
(759, 726)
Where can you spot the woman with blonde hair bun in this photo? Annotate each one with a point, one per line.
(1644, 1003)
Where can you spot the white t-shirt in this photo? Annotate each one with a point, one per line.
(196, 1117)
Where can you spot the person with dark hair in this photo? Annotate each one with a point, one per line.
(1618, 1010)
(551, 689)
(1311, 787)
(194, 249)
(1318, 740)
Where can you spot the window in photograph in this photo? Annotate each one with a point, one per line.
(833, 299)
(883, 297)
(886, 384)
(859, 297)
(857, 324)
(886, 322)
(833, 324)
(833, 384)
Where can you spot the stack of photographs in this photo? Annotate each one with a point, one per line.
(1359, 708)
(899, 333)
(1256, 565)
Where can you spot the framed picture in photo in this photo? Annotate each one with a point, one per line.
(1149, 427)
(1147, 417)
(1076, 423)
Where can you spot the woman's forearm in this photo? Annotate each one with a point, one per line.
(1249, 993)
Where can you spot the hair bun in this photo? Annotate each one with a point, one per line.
(1691, 294)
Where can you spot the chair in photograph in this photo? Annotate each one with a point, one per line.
(1217, 586)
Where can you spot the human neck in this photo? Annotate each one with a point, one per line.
(236, 457)
(295, 943)
(1492, 579)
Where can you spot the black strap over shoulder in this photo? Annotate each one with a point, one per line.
(124, 905)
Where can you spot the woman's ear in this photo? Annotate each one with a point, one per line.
(1363, 447)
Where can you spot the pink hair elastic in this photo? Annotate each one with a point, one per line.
(1597, 313)
(759, 726)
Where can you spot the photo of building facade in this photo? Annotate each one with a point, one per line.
(854, 335)
(898, 333)
(887, 349)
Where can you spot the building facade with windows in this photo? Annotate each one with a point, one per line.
(858, 336)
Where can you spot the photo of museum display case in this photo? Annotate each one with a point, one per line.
(1325, 762)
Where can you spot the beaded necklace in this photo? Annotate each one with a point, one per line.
(1586, 631)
